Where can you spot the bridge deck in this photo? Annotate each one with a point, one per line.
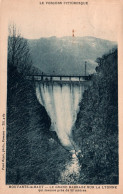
(58, 78)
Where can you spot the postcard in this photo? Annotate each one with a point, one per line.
(61, 96)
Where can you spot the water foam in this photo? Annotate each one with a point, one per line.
(62, 104)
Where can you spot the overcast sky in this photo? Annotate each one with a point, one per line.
(35, 20)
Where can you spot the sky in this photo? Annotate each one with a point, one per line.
(35, 20)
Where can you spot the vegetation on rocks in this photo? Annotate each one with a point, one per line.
(34, 156)
(96, 130)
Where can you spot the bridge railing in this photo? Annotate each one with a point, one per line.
(61, 78)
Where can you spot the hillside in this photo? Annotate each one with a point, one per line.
(67, 55)
(96, 129)
(32, 155)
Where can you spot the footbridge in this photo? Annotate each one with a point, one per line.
(44, 78)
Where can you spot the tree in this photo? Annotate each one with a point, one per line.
(96, 129)
(18, 52)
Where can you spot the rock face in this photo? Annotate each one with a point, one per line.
(62, 104)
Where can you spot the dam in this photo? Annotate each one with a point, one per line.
(61, 95)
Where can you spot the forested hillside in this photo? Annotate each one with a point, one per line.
(96, 129)
(32, 154)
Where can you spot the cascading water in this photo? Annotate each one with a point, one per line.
(62, 104)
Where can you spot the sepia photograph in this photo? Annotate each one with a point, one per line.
(62, 113)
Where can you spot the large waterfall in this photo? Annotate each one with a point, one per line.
(62, 104)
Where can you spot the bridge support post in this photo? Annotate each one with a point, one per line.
(51, 79)
(61, 80)
(42, 78)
